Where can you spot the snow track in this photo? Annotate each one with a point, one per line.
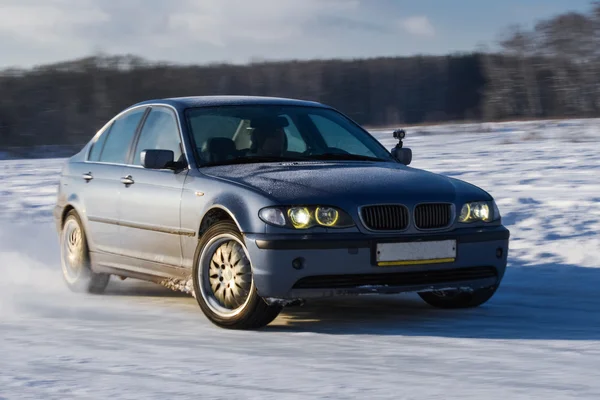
(539, 337)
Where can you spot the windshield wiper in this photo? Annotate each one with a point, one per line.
(253, 160)
(341, 156)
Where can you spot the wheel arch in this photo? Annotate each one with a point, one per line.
(214, 214)
(73, 203)
(66, 210)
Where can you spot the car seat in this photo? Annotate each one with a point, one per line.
(262, 135)
(219, 149)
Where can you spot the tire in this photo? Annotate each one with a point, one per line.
(75, 258)
(223, 282)
(459, 299)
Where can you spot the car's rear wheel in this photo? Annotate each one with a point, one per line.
(223, 281)
(75, 258)
(452, 299)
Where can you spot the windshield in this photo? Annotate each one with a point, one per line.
(259, 133)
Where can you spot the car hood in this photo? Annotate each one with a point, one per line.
(333, 182)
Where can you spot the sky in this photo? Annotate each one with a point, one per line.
(34, 32)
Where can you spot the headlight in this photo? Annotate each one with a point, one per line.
(486, 211)
(272, 216)
(327, 216)
(300, 217)
(304, 217)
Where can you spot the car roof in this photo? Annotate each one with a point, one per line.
(182, 103)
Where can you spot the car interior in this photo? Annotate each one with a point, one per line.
(256, 137)
(221, 138)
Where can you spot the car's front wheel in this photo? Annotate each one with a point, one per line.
(459, 299)
(223, 281)
(75, 258)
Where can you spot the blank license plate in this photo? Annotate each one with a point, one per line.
(414, 253)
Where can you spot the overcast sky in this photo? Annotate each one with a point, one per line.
(199, 31)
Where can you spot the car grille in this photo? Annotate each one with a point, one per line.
(385, 217)
(396, 279)
(433, 216)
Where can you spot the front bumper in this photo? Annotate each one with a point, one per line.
(341, 264)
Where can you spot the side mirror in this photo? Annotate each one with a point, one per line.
(158, 159)
(402, 154)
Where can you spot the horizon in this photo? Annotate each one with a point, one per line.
(247, 63)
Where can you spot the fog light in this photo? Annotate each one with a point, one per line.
(298, 263)
(499, 252)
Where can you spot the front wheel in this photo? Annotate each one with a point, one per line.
(458, 299)
(223, 281)
(75, 258)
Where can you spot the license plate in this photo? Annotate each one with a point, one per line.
(416, 253)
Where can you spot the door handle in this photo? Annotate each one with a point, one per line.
(127, 180)
(88, 177)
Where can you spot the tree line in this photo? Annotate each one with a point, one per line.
(551, 70)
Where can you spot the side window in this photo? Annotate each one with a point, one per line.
(99, 145)
(120, 136)
(160, 132)
(339, 137)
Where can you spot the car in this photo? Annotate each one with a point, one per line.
(253, 204)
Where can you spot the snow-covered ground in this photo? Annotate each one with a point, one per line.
(539, 337)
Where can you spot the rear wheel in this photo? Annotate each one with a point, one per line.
(223, 281)
(75, 258)
(452, 299)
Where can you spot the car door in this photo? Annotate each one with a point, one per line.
(101, 176)
(150, 199)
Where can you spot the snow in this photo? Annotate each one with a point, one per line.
(539, 337)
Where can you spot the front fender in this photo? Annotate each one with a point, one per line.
(239, 212)
(202, 194)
